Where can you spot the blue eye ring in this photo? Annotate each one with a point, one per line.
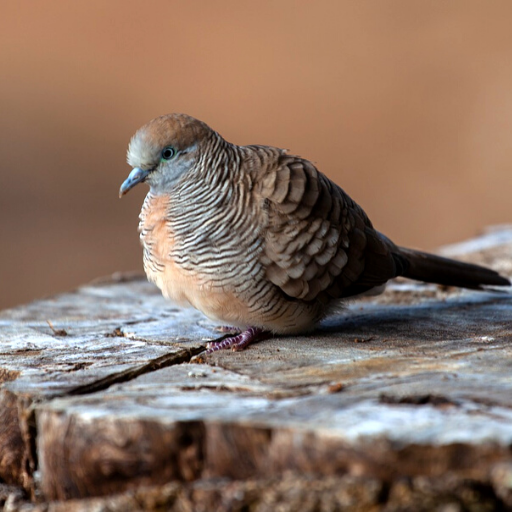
(168, 152)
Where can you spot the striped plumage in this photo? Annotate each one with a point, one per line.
(252, 236)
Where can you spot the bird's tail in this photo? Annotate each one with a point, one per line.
(436, 269)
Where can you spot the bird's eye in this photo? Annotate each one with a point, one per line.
(168, 153)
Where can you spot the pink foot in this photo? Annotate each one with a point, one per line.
(238, 342)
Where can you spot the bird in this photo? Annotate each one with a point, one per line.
(260, 239)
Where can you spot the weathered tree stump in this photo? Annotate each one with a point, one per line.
(402, 402)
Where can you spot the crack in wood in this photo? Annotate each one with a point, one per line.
(182, 356)
(427, 399)
(23, 410)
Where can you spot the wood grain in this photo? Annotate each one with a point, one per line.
(403, 399)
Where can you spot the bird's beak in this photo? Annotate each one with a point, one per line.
(134, 178)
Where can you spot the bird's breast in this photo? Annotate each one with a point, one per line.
(158, 242)
(182, 266)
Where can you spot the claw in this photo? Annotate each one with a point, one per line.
(238, 342)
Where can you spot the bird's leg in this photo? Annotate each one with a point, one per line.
(227, 329)
(238, 342)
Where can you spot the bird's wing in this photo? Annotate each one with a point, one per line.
(318, 241)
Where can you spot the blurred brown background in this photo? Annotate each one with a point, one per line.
(406, 104)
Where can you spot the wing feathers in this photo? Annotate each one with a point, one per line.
(317, 239)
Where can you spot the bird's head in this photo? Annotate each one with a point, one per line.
(163, 150)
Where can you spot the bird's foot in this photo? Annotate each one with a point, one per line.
(238, 342)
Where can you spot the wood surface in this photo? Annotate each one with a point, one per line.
(402, 400)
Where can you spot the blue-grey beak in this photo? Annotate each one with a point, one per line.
(134, 178)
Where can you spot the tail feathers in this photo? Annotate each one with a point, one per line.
(436, 269)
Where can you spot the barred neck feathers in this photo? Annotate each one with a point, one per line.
(208, 205)
(215, 179)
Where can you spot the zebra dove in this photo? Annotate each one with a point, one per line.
(260, 239)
